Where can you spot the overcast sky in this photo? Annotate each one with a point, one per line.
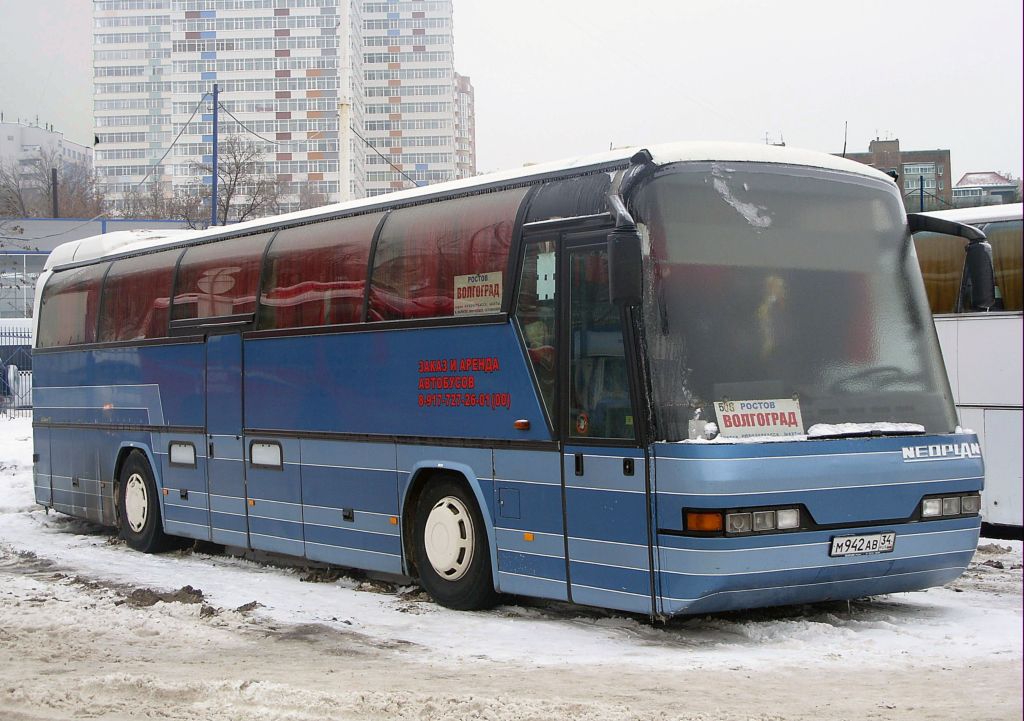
(556, 78)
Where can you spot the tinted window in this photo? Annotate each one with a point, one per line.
(1005, 238)
(136, 297)
(942, 265)
(775, 282)
(70, 305)
(219, 279)
(316, 274)
(941, 258)
(535, 312)
(445, 258)
(599, 405)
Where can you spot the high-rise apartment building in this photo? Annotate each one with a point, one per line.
(465, 126)
(409, 65)
(343, 98)
(131, 95)
(289, 77)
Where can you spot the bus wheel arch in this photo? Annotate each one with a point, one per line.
(139, 519)
(446, 540)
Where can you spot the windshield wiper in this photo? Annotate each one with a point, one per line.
(864, 430)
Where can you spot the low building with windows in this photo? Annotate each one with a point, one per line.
(923, 175)
(23, 147)
(987, 188)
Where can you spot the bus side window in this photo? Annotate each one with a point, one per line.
(70, 306)
(427, 251)
(941, 258)
(136, 297)
(535, 313)
(599, 402)
(316, 274)
(219, 279)
(1005, 238)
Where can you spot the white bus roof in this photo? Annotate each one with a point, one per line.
(120, 241)
(982, 214)
(125, 241)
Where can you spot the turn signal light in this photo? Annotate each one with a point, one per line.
(706, 522)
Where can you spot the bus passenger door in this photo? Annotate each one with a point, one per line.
(225, 452)
(604, 468)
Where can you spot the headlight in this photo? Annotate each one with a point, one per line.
(951, 506)
(738, 523)
(742, 522)
(764, 520)
(787, 518)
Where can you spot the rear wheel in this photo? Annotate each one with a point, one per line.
(138, 507)
(452, 554)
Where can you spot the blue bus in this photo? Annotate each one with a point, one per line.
(674, 380)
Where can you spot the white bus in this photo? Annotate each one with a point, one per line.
(982, 348)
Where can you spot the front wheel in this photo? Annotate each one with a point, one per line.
(138, 507)
(452, 554)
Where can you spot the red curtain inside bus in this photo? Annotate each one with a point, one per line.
(70, 305)
(426, 252)
(136, 297)
(316, 274)
(219, 279)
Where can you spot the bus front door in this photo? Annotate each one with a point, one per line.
(225, 448)
(604, 468)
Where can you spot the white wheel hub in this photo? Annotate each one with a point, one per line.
(136, 502)
(448, 538)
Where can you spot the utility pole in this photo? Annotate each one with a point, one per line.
(921, 194)
(213, 194)
(53, 192)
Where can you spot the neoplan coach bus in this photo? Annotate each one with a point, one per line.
(685, 379)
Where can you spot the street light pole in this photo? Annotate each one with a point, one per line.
(213, 194)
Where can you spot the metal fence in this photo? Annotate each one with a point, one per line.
(15, 371)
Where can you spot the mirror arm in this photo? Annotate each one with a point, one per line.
(920, 222)
(625, 261)
(623, 220)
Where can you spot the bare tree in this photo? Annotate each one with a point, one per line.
(159, 202)
(244, 191)
(1016, 181)
(11, 233)
(15, 193)
(27, 191)
(309, 197)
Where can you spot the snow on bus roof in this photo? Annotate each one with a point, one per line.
(126, 241)
(982, 214)
(120, 241)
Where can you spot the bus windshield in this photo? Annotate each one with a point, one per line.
(778, 282)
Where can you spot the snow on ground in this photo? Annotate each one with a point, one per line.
(123, 625)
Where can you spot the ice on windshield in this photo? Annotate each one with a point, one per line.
(755, 215)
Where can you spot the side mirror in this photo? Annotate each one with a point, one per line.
(978, 287)
(625, 264)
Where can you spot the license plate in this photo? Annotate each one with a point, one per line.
(863, 545)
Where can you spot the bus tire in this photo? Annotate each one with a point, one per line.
(138, 507)
(452, 554)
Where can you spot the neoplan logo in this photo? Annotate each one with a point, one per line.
(941, 452)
